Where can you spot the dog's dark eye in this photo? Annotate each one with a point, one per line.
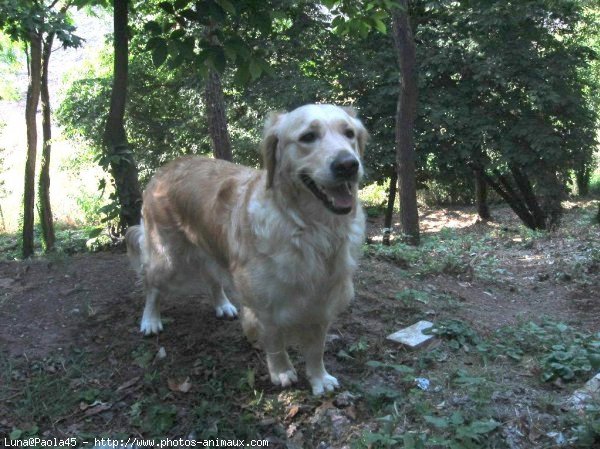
(308, 137)
(349, 133)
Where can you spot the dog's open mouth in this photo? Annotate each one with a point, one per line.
(338, 199)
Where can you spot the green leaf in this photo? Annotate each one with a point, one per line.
(440, 423)
(403, 369)
(380, 26)
(344, 355)
(255, 69)
(153, 27)
(15, 434)
(216, 58)
(181, 3)
(227, 6)
(177, 34)
(375, 364)
(457, 419)
(482, 427)
(95, 233)
(160, 53)
(167, 7)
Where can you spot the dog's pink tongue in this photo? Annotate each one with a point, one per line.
(341, 196)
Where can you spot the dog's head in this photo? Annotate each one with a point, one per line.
(317, 149)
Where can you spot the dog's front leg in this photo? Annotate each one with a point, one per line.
(281, 369)
(313, 346)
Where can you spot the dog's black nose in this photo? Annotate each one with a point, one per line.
(345, 165)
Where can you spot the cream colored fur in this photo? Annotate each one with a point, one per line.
(261, 236)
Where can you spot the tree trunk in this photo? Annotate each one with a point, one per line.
(33, 96)
(122, 166)
(582, 179)
(405, 118)
(217, 119)
(389, 213)
(481, 197)
(531, 201)
(504, 189)
(45, 209)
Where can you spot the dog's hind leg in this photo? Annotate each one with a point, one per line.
(223, 307)
(151, 322)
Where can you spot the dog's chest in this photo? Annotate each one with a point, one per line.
(307, 263)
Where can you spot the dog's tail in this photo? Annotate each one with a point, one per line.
(135, 241)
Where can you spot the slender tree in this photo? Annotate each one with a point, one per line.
(389, 212)
(216, 116)
(405, 120)
(34, 68)
(28, 21)
(483, 209)
(45, 207)
(122, 164)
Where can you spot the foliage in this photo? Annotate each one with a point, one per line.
(19, 18)
(562, 353)
(458, 334)
(69, 241)
(8, 68)
(164, 114)
(481, 99)
(505, 116)
(209, 34)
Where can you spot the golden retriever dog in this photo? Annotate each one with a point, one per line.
(282, 242)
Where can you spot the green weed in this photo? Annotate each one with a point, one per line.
(43, 390)
(560, 351)
(374, 197)
(409, 296)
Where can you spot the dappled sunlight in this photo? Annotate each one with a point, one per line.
(434, 220)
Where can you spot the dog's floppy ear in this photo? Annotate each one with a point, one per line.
(269, 145)
(362, 136)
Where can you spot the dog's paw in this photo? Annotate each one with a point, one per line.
(284, 378)
(226, 311)
(322, 384)
(151, 326)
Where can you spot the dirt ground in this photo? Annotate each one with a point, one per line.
(74, 363)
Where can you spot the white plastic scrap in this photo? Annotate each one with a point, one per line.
(422, 383)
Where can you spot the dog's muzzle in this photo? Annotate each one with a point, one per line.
(338, 198)
(345, 166)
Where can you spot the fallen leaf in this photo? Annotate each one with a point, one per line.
(182, 387)
(129, 383)
(97, 407)
(292, 412)
(350, 412)
(325, 406)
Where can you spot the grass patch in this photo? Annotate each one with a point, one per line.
(40, 393)
(374, 198)
(69, 240)
(447, 252)
(466, 399)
